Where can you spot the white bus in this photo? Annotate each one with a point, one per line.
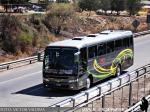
(77, 63)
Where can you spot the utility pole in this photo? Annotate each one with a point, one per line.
(46, 2)
(7, 5)
(0, 3)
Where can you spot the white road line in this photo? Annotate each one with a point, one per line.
(24, 68)
(26, 75)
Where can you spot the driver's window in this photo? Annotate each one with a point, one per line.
(83, 58)
(46, 61)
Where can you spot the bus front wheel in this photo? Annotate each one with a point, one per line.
(118, 71)
(88, 83)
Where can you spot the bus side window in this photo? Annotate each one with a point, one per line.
(83, 57)
(101, 49)
(110, 47)
(92, 52)
(118, 44)
(126, 42)
(83, 54)
(131, 41)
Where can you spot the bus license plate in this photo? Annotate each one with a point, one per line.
(58, 84)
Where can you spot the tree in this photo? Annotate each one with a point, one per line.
(18, 37)
(5, 3)
(133, 6)
(10, 25)
(58, 15)
(62, 1)
(118, 5)
(14, 1)
(88, 5)
(105, 5)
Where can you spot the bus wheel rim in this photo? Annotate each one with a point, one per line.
(88, 83)
(118, 71)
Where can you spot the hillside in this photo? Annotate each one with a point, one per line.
(24, 35)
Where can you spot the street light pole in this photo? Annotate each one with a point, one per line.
(8, 4)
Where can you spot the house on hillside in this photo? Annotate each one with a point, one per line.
(45, 1)
(1, 8)
(40, 5)
(145, 8)
(37, 1)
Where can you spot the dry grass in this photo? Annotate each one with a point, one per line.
(95, 24)
(82, 24)
(10, 57)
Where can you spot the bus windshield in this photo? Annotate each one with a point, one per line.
(60, 60)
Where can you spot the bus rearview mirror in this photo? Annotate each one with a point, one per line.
(76, 56)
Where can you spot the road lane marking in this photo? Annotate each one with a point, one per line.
(26, 75)
(19, 69)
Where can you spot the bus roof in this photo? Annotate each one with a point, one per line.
(79, 42)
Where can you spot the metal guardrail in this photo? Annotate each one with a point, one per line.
(136, 107)
(19, 62)
(40, 56)
(141, 33)
(80, 100)
(94, 93)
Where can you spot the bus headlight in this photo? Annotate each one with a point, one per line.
(71, 81)
(81, 83)
(46, 80)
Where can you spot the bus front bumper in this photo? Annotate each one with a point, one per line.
(70, 85)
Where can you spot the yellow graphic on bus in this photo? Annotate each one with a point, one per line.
(127, 53)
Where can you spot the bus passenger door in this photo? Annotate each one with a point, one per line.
(82, 66)
(110, 54)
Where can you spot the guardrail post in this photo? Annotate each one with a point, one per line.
(7, 67)
(110, 86)
(99, 90)
(113, 100)
(103, 103)
(138, 90)
(137, 72)
(87, 97)
(120, 81)
(144, 83)
(130, 94)
(144, 80)
(121, 97)
(58, 108)
(73, 100)
(87, 94)
(145, 70)
(39, 56)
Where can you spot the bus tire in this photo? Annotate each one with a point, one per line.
(88, 83)
(118, 71)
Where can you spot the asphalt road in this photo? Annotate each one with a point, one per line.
(22, 87)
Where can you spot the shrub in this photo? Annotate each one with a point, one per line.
(58, 15)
